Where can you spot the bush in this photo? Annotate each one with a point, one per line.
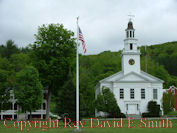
(168, 102)
(145, 115)
(149, 115)
(121, 115)
(118, 115)
(153, 110)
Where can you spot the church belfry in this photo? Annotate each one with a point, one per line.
(130, 53)
(130, 31)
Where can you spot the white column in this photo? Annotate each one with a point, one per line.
(41, 111)
(1, 115)
(13, 111)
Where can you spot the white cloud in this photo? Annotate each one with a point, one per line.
(103, 22)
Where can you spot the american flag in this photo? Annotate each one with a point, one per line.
(81, 38)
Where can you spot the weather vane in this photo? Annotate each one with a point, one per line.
(131, 16)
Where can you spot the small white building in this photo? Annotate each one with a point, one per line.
(133, 88)
(13, 111)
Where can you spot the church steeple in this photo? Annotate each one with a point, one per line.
(130, 53)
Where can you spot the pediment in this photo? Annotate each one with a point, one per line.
(132, 77)
(113, 77)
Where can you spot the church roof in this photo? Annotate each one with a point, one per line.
(132, 77)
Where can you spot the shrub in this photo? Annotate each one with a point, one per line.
(153, 110)
(168, 102)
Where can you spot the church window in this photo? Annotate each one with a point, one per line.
(127, 34)
(133, 33)
(130, 33)
(121, 93)
(142, 93)
(137, 106)
(131, 46)
(127, 106)
(154, 93)
(131, 93)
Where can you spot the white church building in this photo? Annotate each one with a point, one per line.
(132, 87)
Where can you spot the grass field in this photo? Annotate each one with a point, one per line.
(87, 128)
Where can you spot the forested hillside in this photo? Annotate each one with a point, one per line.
(161, 62)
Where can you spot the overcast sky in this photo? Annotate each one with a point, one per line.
(103, 22)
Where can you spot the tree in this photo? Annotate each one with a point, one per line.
(19, 61)
(53, 51)
(4, 93)
(99, 103)
(65, 102)
(9, 49)
(168, 102)
(28, 89)
(109, 103)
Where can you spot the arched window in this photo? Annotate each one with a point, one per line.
(131, 46)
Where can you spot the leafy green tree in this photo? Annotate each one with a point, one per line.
(5, 64)
(168, 102)
(4, 91)
(109, 103)
(19, 61)
(28, 89)
(53, 51)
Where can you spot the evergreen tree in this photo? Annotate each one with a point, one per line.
(4, 91)
(107, 103)
(65, 102)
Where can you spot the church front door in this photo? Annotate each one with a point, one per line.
(132, 109)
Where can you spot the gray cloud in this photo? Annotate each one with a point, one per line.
(103, 22)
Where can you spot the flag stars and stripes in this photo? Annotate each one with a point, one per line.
(81, 38)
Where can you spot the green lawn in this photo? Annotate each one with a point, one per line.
(87, 128)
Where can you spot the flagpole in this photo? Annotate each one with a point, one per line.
(77, 79)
